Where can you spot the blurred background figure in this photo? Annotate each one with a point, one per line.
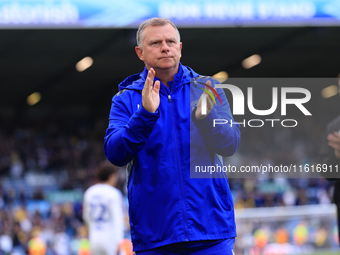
(103, 212)
(330, 155)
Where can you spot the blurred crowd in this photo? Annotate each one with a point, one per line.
(65, 152)
(60, 228)
(69, 152)
(52, 146)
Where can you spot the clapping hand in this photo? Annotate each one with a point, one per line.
(334, 142)
(150, 93)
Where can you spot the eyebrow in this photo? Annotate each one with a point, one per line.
(157, 40)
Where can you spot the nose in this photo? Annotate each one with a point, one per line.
(165, 47)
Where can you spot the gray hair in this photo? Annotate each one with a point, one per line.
(154, 22)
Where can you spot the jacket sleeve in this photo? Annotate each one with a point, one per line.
(223, 139)
(127, 132)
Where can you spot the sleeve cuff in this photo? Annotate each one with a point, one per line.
(207, 122)
(146, 113)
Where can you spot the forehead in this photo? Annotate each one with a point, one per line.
(159, 32)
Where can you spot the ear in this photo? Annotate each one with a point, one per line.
(180, 48)
(139, 52)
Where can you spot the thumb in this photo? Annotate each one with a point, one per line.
(157, 87)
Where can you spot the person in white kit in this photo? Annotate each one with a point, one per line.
(103, 212)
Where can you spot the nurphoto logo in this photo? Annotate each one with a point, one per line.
(239, 104)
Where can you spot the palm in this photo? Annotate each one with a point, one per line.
(150, 94)
(209, 105)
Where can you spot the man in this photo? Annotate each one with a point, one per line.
(103, 212)
(330, 154)
(157, 128)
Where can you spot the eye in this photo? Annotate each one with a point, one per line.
(171, 43)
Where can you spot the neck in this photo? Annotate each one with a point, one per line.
(166, 75)
(108, 182)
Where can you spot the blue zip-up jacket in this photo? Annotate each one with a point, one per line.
(166, 205)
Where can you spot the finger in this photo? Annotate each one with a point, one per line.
(208, 89)
(146, 87)
(209, 99)
(211, 88)
(210, 96)
(334, 145)
(337, 134)
(152, 71)
(333, 138)
(157, 87)
(149, 81)
(151, 74)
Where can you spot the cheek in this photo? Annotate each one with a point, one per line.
(151, 55)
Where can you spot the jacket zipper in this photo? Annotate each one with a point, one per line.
(179, 173)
